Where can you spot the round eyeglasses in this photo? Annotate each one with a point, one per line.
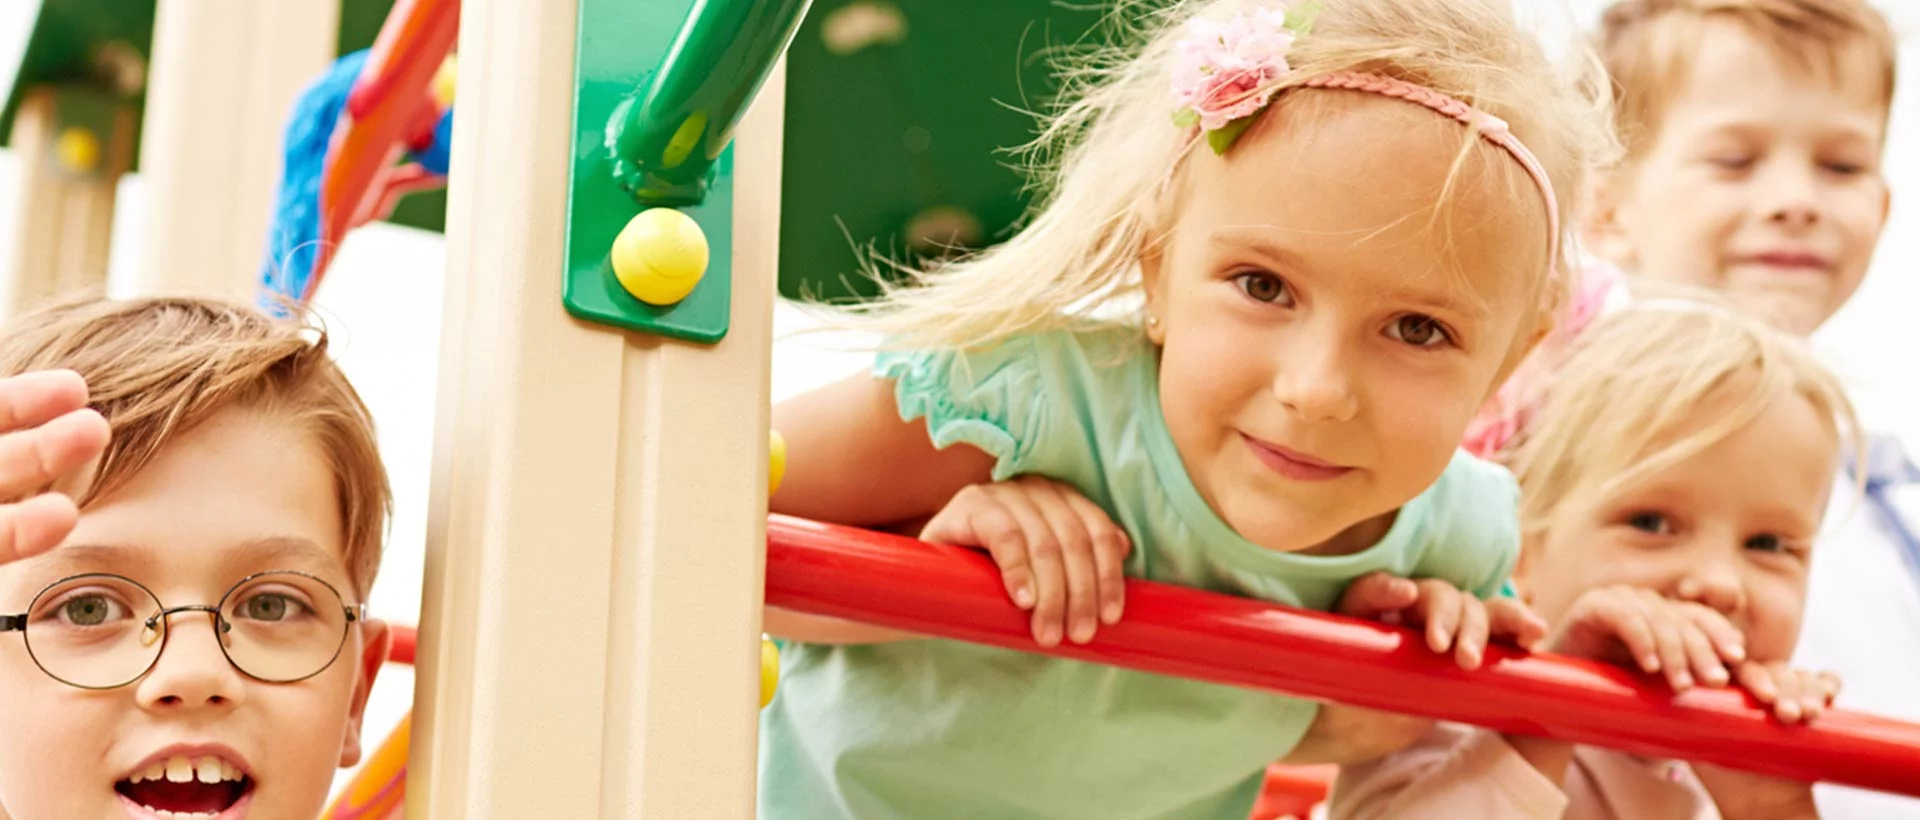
(104, 631)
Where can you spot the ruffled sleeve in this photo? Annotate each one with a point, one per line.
(993, 399)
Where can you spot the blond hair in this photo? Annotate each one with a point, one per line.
(1104, 156)
(1647, 46)
(157, 368)
(1625, 401)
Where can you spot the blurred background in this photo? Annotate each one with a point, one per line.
(925, 96)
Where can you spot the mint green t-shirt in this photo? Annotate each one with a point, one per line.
(935, 729)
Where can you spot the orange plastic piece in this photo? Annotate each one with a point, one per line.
(383, 113)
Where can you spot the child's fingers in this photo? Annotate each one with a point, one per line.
(1439, 607)
(33, 399)
(1813, 696)
(1702, 656)
(1110, 549)
(975, 519)
(1758, 679)
(1727, 640)
(35, 525)
(34, 458)
(1471, 645)
(1787, 707)
(1043, 555)
(1830, 685)
(1672, 648)
(1511, 619)
(1376, 595)
(1080, 577)
(1630, 624)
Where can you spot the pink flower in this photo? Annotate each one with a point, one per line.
(1226, 72)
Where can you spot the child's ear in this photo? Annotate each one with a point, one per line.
(1602, 224)
(373, 655)
(1152, 262)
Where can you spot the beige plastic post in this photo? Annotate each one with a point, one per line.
(63, 226)
(224, 78)
(591, 618)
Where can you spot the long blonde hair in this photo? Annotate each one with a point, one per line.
(1625, 401)
(1101, 159)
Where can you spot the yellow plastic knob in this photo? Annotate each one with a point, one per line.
(78, 150)
(769, 671)
(660, 256)
(445, 80)
(776, 460)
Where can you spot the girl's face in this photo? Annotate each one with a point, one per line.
(1330, 318)
(241, 494)
(1731, 528)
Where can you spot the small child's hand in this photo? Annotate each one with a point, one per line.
(46, 433)
(1796, 695)
(1455, 621)
(1635, 626)
(1059, 554)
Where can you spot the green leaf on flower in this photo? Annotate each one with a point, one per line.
(1222, 138)
(1300, 18)
(1186, 118)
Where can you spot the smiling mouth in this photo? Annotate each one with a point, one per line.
(188, 789)
(1294, 465)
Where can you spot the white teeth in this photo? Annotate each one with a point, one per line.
(184, 815)
(186, 770)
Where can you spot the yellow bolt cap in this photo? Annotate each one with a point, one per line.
(660, 256)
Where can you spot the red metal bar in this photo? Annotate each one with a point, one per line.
(955, 593)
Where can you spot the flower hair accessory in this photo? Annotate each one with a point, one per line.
(1224, 74)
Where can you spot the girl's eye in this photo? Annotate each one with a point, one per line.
(1264, 287)
(1732, 163)
(1651, 522)
(1767, 543)
(1845, 169)
(1419, 331)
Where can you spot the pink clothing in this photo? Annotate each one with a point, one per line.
(1509, 409)
(1460, 771)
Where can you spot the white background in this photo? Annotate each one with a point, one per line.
(382, 300)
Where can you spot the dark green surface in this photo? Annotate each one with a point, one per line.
(68, 36)
(962, 75)
(65, 47)
(619, 44)
(851, 178)
(666, 140)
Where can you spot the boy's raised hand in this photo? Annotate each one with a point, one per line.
(1451, 620)
(1059, 554)
(46, 433)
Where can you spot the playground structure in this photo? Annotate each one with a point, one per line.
(602, 460)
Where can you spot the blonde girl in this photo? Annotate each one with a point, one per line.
(1328, 230)
(1672, 479)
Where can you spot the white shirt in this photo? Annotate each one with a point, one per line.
(1863, 612)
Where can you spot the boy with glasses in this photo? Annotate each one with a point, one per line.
(196, 645)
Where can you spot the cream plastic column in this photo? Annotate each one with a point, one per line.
(224, 78)
(63, 227)
(591, 619)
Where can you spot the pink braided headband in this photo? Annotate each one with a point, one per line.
(1491, 128)
(1225, 74)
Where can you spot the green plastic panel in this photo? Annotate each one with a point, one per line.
(619, 44)
(914, 120)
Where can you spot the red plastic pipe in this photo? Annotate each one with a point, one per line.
(956, 593)
(405, 640)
